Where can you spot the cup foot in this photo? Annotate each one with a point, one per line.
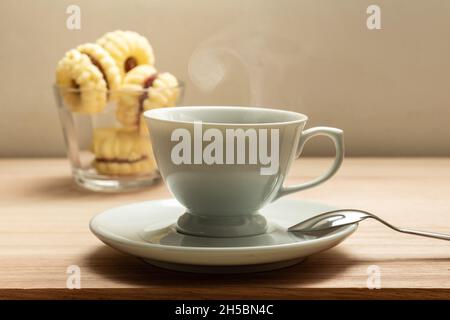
(222, 226)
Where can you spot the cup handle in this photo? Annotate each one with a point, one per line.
(337, 136)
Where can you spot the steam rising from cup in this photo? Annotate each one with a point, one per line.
(265, 57)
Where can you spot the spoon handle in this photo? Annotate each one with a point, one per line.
(435, 235)
(426, 234)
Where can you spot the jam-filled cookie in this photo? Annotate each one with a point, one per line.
(81, 83)
(143, 89)
(120, 151)
(105, 64)
(129, 49)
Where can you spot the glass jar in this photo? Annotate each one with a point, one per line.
(107, 141)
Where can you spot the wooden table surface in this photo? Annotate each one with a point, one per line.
(44, 229)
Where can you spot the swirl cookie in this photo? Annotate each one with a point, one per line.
(120, 151)
(128, 48)
(81, 83)
(105, 64)
(143, 89)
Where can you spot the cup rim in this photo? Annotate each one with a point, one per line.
(157, 113)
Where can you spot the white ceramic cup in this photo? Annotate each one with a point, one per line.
(222, 200)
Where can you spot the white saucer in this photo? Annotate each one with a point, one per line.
(147, 230)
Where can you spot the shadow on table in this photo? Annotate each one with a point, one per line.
(122, 268)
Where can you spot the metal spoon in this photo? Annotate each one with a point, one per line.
(331, 220)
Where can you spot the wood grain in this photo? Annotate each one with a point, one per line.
(44, 229)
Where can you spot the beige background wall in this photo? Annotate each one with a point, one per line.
(388, 89)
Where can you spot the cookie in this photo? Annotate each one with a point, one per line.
(120, 151)
(105, 64)
(129, 49)
(160, 90)
(81, 83)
